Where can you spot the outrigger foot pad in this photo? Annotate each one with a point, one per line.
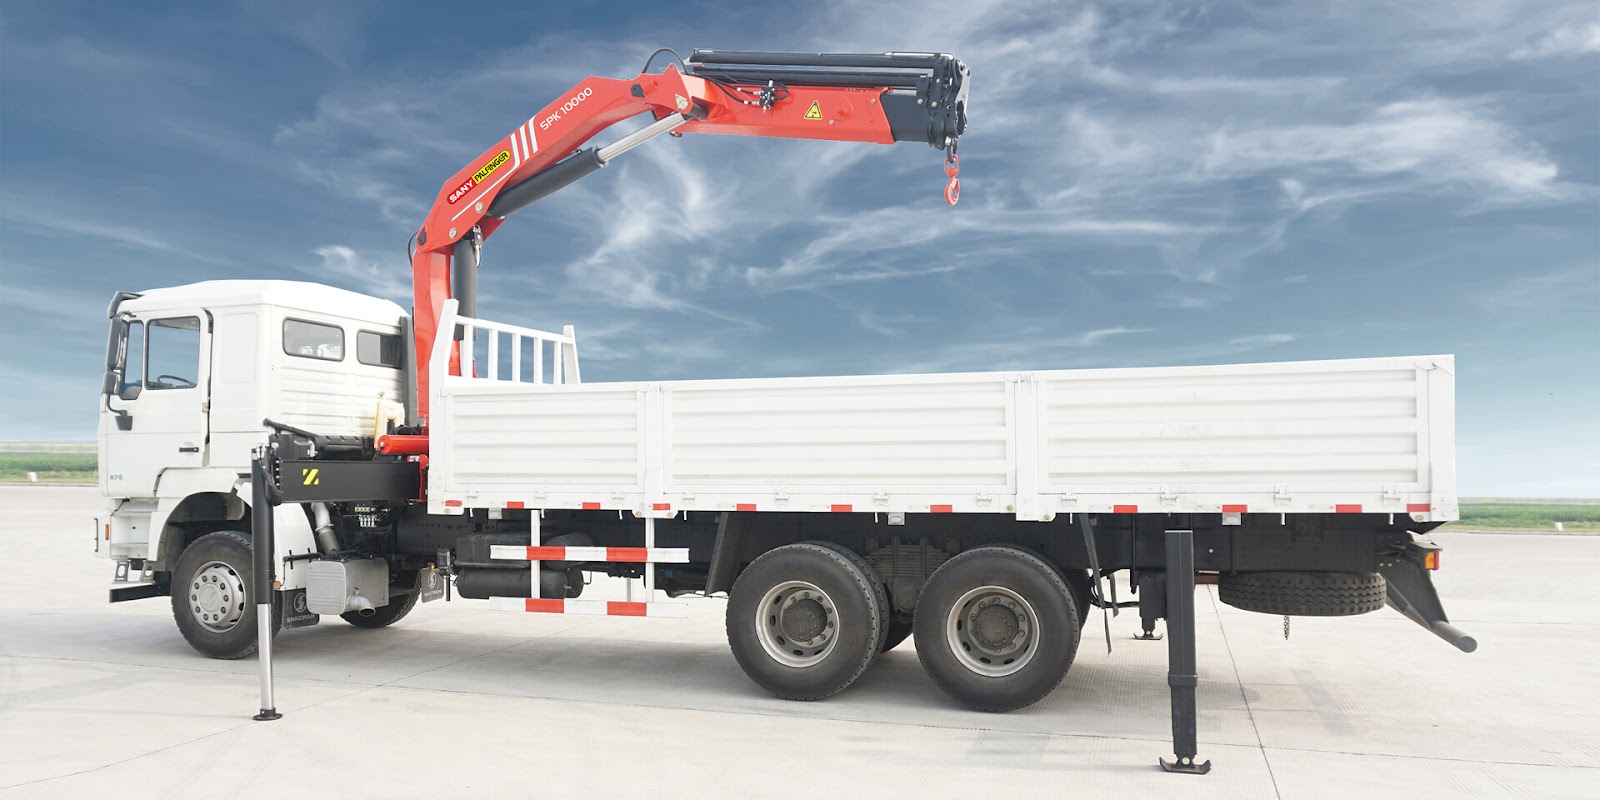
(267, 715)
(1185, 764)
(1148, 636)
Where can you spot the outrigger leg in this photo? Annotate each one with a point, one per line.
(261, 549)
(1182, 670)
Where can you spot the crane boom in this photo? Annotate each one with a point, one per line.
(881, 98)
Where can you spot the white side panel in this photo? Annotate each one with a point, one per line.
(1302, 426)
(583, 439)
(1355, 436)
(830, 435)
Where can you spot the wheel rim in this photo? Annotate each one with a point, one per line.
(216, 597)
(993, 631)
(797, 623)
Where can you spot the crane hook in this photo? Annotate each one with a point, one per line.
(952, 190)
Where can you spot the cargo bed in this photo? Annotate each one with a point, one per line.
(1371, 435)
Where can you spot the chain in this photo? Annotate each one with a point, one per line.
(1286, 626)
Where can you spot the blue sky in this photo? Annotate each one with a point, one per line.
(1143, 184)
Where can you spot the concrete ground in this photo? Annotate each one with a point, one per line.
(460, 701)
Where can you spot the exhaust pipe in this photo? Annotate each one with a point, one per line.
(361, 605)
(327, 540)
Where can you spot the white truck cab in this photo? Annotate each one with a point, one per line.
(191, 372)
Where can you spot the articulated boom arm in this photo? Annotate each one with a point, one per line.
(888, 98)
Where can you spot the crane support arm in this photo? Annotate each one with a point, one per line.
(879, 98)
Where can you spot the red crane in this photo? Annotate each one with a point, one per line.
(885, 98)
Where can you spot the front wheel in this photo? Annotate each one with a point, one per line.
(996, 628)
(213, 597)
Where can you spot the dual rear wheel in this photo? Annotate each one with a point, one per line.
(995, 627)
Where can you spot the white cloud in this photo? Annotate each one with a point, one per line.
(19, 210)
(364, 273)
(1565, 40)
(1574, 288)
(1261, 340)
(1435, 142)
(1094, 337)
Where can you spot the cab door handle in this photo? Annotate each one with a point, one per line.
(189, 449)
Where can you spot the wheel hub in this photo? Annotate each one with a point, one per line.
(216, 597)
(991, 631)
(996, 627)
(797, 623)
(803, 620)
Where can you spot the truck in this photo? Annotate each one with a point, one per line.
(315, 452)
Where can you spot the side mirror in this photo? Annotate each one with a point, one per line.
(109, 384)
(115, 343)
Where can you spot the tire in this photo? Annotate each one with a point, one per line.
(384, 616)
(981, 604)
(1304, 594)
(845, 620)
(898, 632)
(865, 566)
(213, 596)
(1078, 583)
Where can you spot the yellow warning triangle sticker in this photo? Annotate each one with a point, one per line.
(815, 111)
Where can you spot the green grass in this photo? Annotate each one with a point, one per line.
(52, 467)
(1499, 515)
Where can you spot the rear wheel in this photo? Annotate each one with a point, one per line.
(880, 592)
(804, 621)
(996, 628)
(213, 597)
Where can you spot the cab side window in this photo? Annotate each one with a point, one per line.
(313, 340)
(172, 359)
(378, 349)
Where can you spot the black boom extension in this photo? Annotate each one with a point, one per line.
(927, 101)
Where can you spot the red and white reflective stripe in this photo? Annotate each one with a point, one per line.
(596, 608)
(628, 555)
(530, 142)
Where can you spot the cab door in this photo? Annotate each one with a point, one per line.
(165, 394)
